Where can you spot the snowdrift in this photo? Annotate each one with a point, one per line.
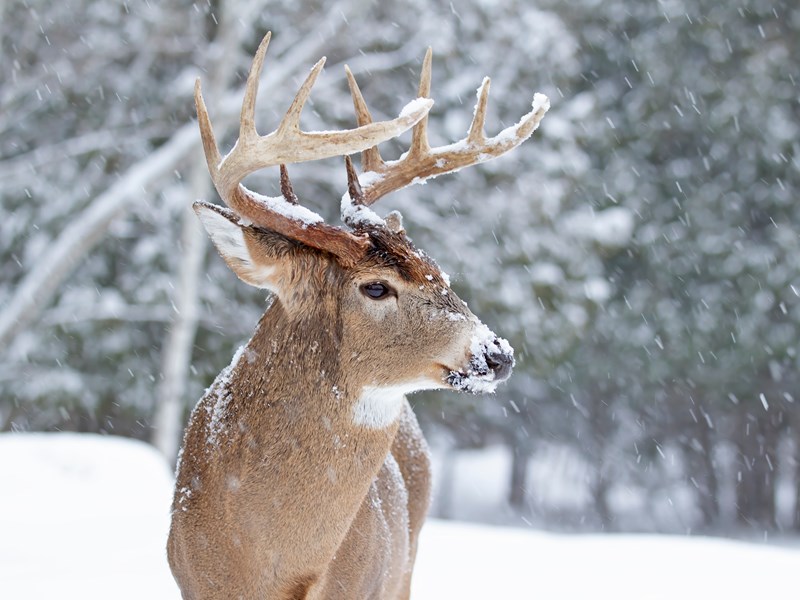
(86, 517)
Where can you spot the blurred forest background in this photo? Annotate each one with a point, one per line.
(641, 252)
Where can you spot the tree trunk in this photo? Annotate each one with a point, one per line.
(709, 490)
(600, 433)
(755, 490)
(177, 354)
(796, 522)
(519, 476)
(600, 497)
(767, 464)
(746, 477)
(444, 495)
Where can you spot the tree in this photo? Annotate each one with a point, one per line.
(697, 138)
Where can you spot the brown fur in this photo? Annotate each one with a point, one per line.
(279, 493)
(304, 473)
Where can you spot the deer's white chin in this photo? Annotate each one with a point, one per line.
(379, 406)
(473, 383)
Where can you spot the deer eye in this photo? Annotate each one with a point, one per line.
(376, 290)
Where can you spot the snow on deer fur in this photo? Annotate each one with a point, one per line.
(479, 378)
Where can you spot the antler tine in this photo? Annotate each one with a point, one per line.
(476, 134)
(530, 122)
(419, 135)
(247, 123)
(291, 121)
(210, 147)
(286, 187)
(289, 144)
(353, 185)
(370, 158)
(422, 162)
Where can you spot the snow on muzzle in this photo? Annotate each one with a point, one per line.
(490, 362)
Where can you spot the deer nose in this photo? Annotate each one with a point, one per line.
(500, 363)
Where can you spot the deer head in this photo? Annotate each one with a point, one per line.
(382, 306)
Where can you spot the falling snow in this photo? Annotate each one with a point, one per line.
(639, 251)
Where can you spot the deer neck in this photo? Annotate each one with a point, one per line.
(291, 361)
(308, 464)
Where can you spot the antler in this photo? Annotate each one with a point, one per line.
(289, 144)
(423, 162)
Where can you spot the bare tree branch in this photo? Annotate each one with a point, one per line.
(85, 231)
(78, 238)
(83, 144)
(90, 225)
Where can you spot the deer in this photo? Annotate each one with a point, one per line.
(303, 471)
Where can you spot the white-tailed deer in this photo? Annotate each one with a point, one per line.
(303, 472)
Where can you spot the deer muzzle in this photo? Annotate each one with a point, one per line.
(491, 360)
(501, 363)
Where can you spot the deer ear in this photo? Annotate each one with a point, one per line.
(245, 251)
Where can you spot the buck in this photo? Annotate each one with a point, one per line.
(303, 472)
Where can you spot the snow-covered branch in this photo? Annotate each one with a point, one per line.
(95, 141)
(81, 235)
(86, 230)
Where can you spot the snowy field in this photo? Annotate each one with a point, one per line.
(84, 516)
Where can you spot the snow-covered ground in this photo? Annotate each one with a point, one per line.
(84, 516)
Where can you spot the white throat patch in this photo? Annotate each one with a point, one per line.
(380, 406)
